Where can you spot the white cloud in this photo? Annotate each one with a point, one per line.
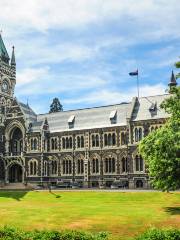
(157, 17)
(41, 81)
(30, 75)
(106, 96)
(87, 33)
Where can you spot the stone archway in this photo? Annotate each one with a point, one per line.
(16, 141)
(15, 173)
(15, 135)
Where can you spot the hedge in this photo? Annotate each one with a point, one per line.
(159, 234)
(10, 233)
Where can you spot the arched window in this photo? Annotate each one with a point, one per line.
(33, 167)
(34, 144)
(45, 169)
(97, 140)
(136, 135)
(110, 165)
(63, 143)
(52, 143)
(78, 142)
(113, 165)
(152, 129)
(67, 143)
(109, 139)
(70, 167)
(140, 134)
(48, 145)
(95, 165)
(124, 165)
(80, 166)
(105, 140)
(93, 141)
(122, 139)
(82, 141)
(139, 163)
(54, 167)
(113, 139)
(67, 166)
(106, 165)
(70, 142)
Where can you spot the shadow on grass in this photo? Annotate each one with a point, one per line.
(56, 195)
(17, 195)
(173, 210)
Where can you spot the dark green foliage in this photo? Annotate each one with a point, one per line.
(161, 148)
(56, 106)
(157, 234)
(9, 233)
(177, 64)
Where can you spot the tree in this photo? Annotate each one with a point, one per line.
(161, 148)
(56, 106)
(177, 64)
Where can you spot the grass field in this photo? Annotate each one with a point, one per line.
(124, 214)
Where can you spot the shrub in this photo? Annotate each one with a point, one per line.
(158, 234)
(10, 233)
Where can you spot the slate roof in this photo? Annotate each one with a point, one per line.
(143, 105)
(144, 108)
(28, 112)
(88, 118)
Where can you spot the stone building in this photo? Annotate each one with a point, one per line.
(92, 147)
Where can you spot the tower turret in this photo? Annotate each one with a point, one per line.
(172, 82)
(3, 52)
(13, 60)
(7, 73)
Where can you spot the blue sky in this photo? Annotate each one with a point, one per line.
(82, 51)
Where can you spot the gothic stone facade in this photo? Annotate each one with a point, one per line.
(93, 147)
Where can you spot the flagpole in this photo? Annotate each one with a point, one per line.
(138, 84)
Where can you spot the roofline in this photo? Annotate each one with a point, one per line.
(164, 94)
(80, 109)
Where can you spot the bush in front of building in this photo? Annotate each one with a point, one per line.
(159, 234)
(10, 233)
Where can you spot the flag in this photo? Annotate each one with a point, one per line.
(135, 73)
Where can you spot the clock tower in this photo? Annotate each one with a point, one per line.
(7, 77)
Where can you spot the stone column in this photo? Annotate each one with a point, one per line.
(86, 170)
(6, 176)
(131, 184)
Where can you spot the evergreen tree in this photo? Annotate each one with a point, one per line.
(56, 106)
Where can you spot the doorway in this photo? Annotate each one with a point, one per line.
(15, 173)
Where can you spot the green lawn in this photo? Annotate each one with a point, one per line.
(123, 214)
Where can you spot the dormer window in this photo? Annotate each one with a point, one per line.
(71, 121)
(153, 108)
(113, 116)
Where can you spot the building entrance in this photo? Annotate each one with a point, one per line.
(15, 173)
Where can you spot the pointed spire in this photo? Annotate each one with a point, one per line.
(3, 52)
(13, 60)
(172, 82)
